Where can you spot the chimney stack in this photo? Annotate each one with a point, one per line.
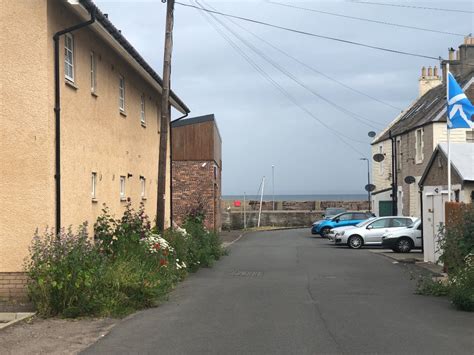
(461, 61)
(428, 80)
(451, 53)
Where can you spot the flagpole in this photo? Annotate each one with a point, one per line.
(449, 132)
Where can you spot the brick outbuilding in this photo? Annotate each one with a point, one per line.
(197, 169)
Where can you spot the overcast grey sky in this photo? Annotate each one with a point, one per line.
(259, 125)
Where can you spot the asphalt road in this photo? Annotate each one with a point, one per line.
(284, 292)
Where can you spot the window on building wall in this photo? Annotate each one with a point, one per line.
(94, 185)
(142, 110)
(122, 93)
(143, 187)
(419, 146)
(381, 165)
(399, 153)
(93, 72)
(69, 57)
(122, 187)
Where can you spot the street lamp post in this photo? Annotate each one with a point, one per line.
(273, 186)
(368, 182)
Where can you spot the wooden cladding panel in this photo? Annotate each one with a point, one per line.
(199, 141)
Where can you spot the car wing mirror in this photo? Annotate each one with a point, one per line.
(337, 220)
(369, 227)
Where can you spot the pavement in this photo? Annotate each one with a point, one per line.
(285, 292)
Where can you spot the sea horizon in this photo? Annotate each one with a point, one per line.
(301, 197)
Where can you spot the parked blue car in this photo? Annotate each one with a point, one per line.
(323, 226)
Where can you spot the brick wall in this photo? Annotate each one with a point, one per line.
(13, 286)
(195, 185)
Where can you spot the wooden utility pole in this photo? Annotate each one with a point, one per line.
(165, 118)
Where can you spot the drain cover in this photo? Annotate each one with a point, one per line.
(240, 273)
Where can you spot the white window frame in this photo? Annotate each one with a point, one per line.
(69, 56)
(419, 144)
(399, 153)
(121, 93)
(94, 185)
(381, 164)
(142, 110)
(123, 180)
(93, 64)
(143, 187)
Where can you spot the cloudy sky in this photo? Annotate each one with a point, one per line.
(262, 126)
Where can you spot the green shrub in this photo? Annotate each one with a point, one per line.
(64, 273)
(462, 286)
(128, 267)
(428, 287)
(457, 241)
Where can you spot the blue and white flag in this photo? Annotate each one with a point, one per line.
(460, 109)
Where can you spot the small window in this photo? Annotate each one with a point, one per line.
(381, 163)
(93, 185)
(215, 172)
(470, 136)
(419, 146)
(122, 93)
(399, 153)
(93, 73)
(122, 187)
(143, 187)
(142, 110)
(69, 57)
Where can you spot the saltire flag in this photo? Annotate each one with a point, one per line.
(460, 109)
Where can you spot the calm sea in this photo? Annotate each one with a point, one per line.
(329, 197)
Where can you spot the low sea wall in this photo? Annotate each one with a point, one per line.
(235, 220)
(285, 214)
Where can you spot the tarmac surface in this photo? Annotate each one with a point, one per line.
(285, 292)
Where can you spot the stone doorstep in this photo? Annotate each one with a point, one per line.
(9, 318)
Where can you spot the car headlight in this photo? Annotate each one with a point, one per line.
(342, 233)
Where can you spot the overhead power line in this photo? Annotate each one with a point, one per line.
(367, 19)
(312, 68)
(311, 34)
(278, 67)
(412, 6)
(343, 138)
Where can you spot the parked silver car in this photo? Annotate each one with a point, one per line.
(404, 240)
(370, 232)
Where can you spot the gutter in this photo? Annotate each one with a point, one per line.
(57, 113)
(171, 164)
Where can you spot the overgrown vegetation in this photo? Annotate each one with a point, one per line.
(457, 248)
(127, 266)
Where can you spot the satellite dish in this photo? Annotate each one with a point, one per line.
(372, 134)
(378, 157)
(409, 179)
(369, 187)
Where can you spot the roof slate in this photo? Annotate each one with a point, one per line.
(431, 107)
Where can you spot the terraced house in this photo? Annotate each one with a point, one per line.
(411, 137)
(76, 140)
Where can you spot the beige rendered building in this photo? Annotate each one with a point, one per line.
(109, 123)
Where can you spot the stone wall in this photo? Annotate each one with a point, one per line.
(253, 205)
(235, 220)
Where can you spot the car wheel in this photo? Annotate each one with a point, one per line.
(325, 232)
(355, 242)
(404, 245)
